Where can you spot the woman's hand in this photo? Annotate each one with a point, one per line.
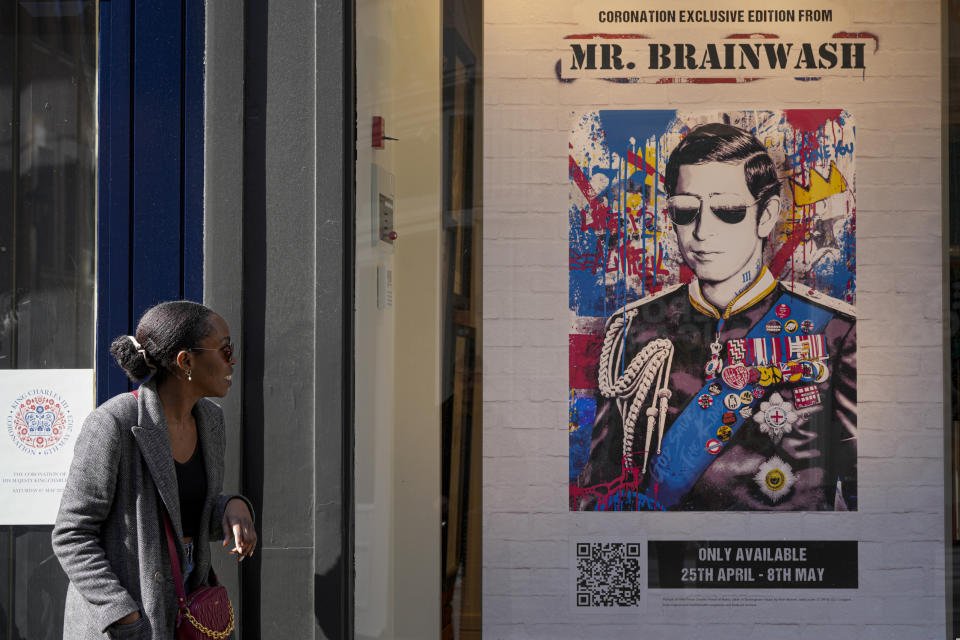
(237, 519)
(130, 618)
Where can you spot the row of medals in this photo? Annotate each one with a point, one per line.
(758, 378)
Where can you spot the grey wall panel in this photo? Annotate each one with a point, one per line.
(276, 193)
(223, 216)
(289, 276)
(287, 610)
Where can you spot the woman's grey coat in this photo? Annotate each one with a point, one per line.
(109, 533)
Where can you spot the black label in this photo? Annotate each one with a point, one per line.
(750, 564)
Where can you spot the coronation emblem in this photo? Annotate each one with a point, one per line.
(39, 422)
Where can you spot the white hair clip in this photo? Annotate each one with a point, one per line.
(142, 352)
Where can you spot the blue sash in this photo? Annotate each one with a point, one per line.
(684, 454)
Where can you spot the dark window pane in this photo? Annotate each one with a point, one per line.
(47, 248)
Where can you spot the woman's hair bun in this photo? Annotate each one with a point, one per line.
(129, 358)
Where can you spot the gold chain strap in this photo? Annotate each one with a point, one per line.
(217, 635)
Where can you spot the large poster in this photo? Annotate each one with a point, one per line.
(712, 284)
(726, 221)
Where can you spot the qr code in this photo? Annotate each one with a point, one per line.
(608, 574)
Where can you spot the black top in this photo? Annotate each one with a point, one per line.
(192, 489)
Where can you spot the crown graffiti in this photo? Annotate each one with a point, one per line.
(819, 188)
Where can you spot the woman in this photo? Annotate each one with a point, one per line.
(138, 456)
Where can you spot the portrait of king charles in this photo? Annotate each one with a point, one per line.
(734, 391)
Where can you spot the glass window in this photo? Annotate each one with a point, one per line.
(47, 153)
(47, 248)
(418, 329)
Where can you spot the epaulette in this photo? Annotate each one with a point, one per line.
(630, 306)
(803, 291)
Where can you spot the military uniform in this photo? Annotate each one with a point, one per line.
(748, 408)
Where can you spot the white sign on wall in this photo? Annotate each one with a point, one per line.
(42, 411)
(576, 546)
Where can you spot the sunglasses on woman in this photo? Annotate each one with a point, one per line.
(684, 208)
(226, 350)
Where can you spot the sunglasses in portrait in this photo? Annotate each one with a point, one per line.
(226, 350)
(684, 208)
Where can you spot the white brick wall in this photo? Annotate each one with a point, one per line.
(900, 524)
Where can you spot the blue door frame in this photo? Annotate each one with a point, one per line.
(150, 167)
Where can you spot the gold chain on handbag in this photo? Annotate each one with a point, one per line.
(216, 635)
(181, 597)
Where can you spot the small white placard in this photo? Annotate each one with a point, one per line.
(384, 286)
(42, 411)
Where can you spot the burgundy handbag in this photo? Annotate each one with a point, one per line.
(206, 612)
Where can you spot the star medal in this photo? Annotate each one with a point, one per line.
(775, 478)
(775, 417)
